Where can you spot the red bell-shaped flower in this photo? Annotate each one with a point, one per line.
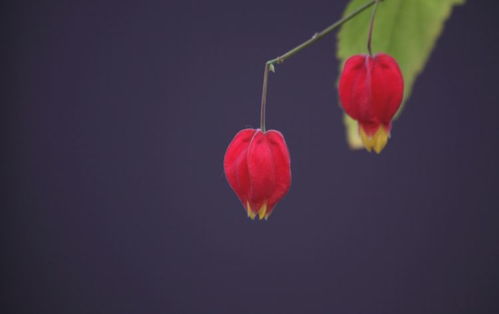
(371, 89)
(257, 167)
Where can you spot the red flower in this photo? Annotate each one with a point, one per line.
(371, 89)
(257, 167)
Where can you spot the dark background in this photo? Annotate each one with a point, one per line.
(115, 118)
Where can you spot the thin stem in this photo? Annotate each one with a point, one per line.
(264, 96)
(269, 65)
(321, 34)
(371, 26)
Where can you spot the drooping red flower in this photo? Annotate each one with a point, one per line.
(371, 89)
(257, 167)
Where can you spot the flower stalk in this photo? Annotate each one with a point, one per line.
(270, 65)
(371, 26)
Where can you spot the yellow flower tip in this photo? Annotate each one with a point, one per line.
(251, 214)
(376, 141)
(262, 213)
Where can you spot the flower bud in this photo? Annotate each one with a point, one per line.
(371, 89)
(257, 167)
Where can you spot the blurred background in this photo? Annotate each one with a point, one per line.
(115, 118)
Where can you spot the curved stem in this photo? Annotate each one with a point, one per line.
(269, 65)
(321, 34)
(264, 97)
(371, 26)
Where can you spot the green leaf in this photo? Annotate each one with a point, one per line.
(405, 29)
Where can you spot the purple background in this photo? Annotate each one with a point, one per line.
(115, 119)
